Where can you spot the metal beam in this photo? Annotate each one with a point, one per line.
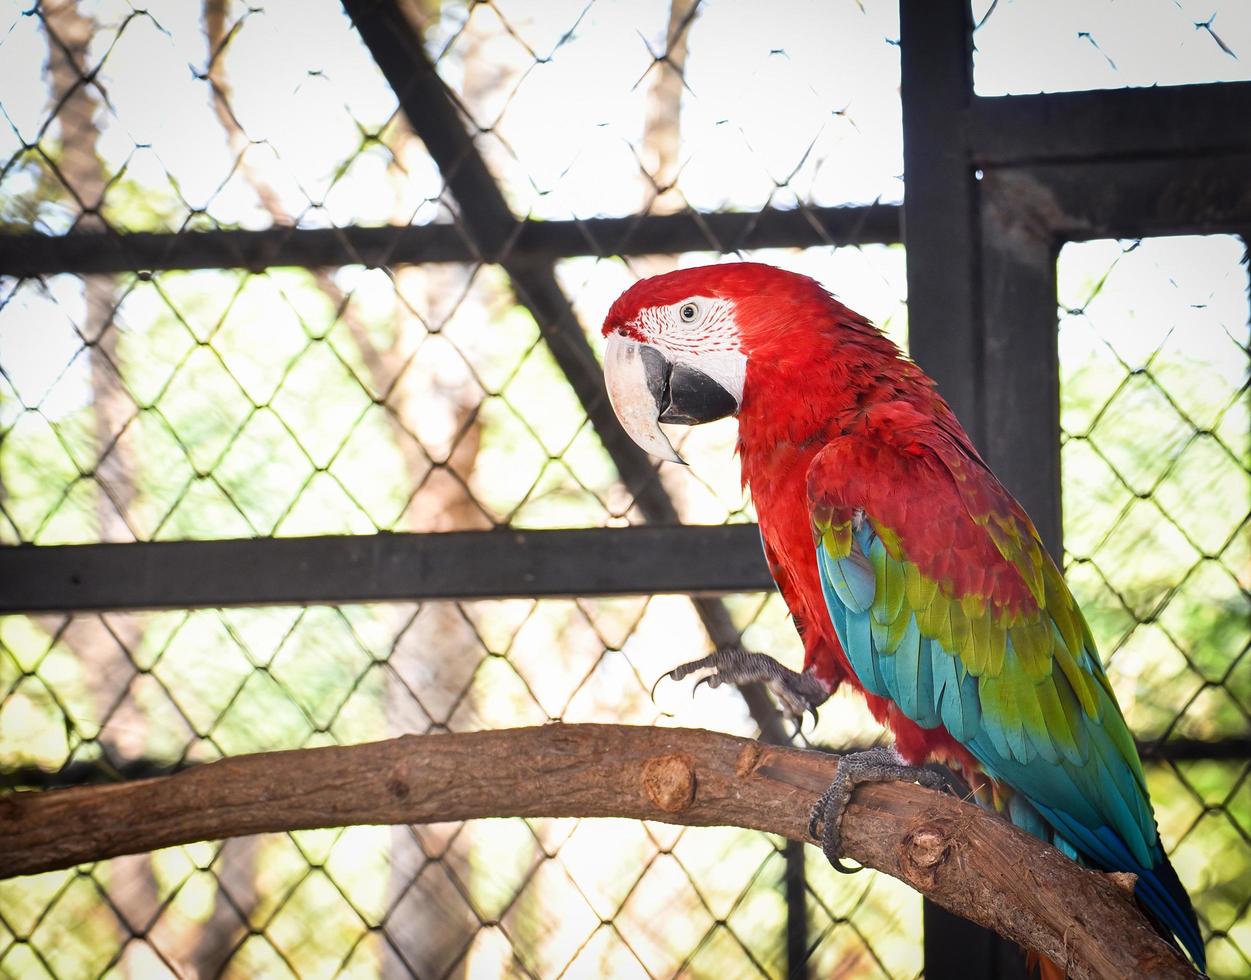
(1126, 199)
(1026, 214)
(395, 44)
(107, 252)
(942, 234)
(1021, 383)
(940, 226)
(383, 567)
(653, 234)
(1121, 124)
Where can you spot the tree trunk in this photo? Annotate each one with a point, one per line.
(104, 666)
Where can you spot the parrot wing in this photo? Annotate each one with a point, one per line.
(946, 603)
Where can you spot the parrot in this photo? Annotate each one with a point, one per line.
(910, 573)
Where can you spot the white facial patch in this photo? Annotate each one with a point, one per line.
(701, 333)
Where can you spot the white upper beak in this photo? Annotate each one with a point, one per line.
(631, 389)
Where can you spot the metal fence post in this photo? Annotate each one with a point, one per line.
(942, 236)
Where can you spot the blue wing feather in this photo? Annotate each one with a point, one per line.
(1095, 808)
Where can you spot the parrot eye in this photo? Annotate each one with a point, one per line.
(688, 312)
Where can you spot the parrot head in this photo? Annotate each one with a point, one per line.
(682, 346)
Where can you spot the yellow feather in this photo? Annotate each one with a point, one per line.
(895, 631)
(935, 620)
(982, 647)
(837, 540)
(960, 632)
(974, 605)
(998, 644)
(917, 589)
(890, 540)
(1032, 640)
(1081, 682)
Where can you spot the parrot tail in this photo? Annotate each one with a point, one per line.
(1158, 890)
(1166, 903)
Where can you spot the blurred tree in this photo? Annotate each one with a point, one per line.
(660, 149)
(101, 648)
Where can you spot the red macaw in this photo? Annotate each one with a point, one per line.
(910, 572)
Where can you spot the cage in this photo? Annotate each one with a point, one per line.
(303, 438)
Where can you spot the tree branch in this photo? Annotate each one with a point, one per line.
(969, 861)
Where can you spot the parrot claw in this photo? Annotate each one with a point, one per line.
(876, 765)
(796, 693)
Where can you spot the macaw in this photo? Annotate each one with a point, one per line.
(910, 573)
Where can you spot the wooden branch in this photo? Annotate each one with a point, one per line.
(968, 861)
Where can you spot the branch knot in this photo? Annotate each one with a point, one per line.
(669, 782)
(924, 850)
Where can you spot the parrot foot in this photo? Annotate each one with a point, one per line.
(796, 693)
(876, 765)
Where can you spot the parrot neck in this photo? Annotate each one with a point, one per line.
(808, 381)
(805, 387)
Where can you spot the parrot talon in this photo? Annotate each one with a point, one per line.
(796, 693)
(876, 765)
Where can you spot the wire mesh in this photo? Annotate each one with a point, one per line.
(164, 405)
(537, 896)
(1155, 349)
(237, 404)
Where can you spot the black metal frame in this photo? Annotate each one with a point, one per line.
(501, 564)
(95, 252)
(994, 186)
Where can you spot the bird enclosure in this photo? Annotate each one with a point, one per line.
(304, 442)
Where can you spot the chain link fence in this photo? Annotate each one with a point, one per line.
(364, 398)
(234, 404)
(1155, 351)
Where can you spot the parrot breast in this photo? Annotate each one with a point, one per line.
(777, 446)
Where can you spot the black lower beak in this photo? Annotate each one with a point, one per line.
(691, 397)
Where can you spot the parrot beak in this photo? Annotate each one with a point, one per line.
(637, 377)
(646, 389)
